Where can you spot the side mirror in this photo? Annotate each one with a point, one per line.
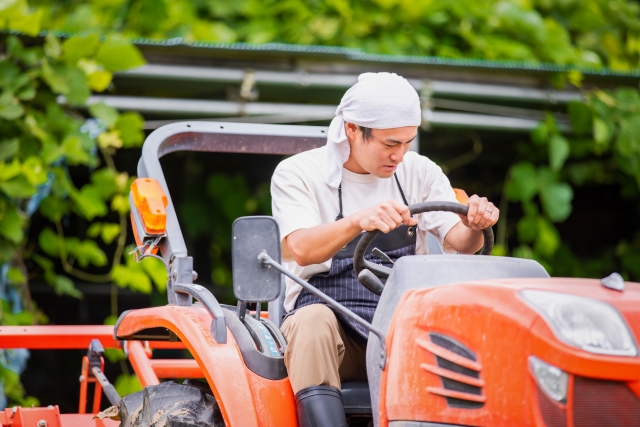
(252, 282)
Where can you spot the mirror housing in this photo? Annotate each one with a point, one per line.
(253, 282)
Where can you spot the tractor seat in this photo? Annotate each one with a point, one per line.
(356, 398)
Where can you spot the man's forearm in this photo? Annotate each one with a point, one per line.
(464, 239)
(318, 244)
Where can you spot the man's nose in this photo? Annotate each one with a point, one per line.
(398, 153)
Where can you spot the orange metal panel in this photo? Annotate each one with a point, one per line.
(141, 364)
(502, 331)
(56, 337)
(178, 368)
(245, 399)
(72, 337)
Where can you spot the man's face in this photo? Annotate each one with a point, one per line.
(381, 154)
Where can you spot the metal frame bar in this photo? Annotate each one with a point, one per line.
(267, 261)
(76, 337)
(344, 81)
(288, 113)
(141, 364)
(211, 137)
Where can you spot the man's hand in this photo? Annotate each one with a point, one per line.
(385, 217)
(482, 213)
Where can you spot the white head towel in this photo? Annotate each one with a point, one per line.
(377, 101)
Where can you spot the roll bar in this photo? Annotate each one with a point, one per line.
(216, 137)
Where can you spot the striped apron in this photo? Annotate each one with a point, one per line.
(341, 283)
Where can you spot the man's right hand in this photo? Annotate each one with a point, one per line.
(385, 217)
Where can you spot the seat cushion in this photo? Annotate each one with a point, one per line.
(356, 398)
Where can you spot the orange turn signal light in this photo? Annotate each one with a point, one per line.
(461, 195)
(150, 201)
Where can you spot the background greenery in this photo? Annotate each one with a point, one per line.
(44, 143)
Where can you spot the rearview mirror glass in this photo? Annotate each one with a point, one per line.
(252, 235)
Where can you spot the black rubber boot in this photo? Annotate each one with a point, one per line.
(320, 406)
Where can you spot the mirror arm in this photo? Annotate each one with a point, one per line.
(211, 304)
(267, 262)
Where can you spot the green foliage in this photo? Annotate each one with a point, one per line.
(127, 384)
(232, 198)
(588, 33)
(603, 149)
(139, 276)
(40, 139)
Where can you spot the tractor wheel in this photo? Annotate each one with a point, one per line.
(168, 404)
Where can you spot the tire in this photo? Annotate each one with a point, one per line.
(169, 404)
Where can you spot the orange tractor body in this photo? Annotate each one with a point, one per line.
(456, 341)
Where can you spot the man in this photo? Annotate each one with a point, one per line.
(323, 199)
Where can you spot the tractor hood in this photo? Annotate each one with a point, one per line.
(463, 332)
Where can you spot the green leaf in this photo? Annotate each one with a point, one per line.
(52, 46)
(601, 132)
(540, 135)
(34, 171)
(527, 228)
(9, 148)
(555, 196)
(9, 72)
(77, 47)
(78, 86)
(105, 181)
(94, 229)
(10, 170)
(53, 208)
(157, 271)
(18, 188)
(558, 151)
(628, 141)
(86, 252)
(109, 232)
(522, 183)
(19, 18)
(15, 276)
(114, 355)
(580, 117)
(49, 242)
(10, 106)
(132, 278)
(547, 239)
(127, 384)
(117, 54)
(64, 286)
(130, 125)
(67, 80)
(89, 203)
(107, 114)
(74, 151)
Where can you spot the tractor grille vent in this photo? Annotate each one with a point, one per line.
(552, 414)
(600, 403)
(458, 370)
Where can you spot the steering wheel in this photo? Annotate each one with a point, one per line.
(368, 273)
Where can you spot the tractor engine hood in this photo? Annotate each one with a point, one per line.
(481, 353)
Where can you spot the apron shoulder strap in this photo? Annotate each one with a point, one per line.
(340, 216)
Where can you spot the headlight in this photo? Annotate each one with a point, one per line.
(553, 381)
(586, 323)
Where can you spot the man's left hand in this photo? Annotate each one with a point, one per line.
(482, 213)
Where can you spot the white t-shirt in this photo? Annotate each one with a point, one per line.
(301, 199)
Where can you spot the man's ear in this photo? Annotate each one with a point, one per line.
(351, 130)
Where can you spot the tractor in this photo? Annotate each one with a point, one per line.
(457, 340)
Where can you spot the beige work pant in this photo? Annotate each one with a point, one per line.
(319, 352)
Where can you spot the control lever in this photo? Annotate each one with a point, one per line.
(384, 257)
